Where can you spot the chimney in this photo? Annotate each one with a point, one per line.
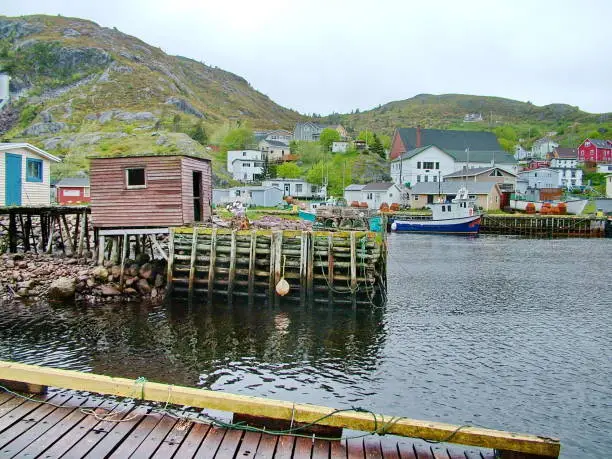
(418, 136)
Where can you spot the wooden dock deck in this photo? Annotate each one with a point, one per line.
(62, 428)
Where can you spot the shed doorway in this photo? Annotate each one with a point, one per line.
(197, 196)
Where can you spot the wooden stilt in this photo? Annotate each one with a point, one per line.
(330, 267)
(101, 248)
(12, 232)
(77, 227)
(278, 259)
(82, 234)
(252, 252)
(170, 267)
(25, 235)
(114, 256)
(87, 231)
(303, 266)
(232, 268)
(211, 268)
(310, 248)
(353, 270)
(64, 223)
(50, 232)
(124, 252)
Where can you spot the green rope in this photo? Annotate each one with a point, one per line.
(142, 381)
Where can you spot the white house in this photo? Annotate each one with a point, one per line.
(340, 146)
(569, 177)
(604, 168)
(543, 177)
(245, 164)
(374, 194)
(353, 192)
(263, 196)
(25, 175)
(520, 153)
(542, 147)
(296, 188)
(564, 158)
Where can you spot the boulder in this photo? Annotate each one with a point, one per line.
(143, 286)
(62, 288)
(116, 271)
(100, 272)
(109, 290)
(146, 271)
(142, 258)
(159, 280)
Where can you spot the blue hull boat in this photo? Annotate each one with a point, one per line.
(469, 225)
(305, 215)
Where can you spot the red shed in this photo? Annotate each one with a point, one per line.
(596, 150)
(73, 191)
(155, 190)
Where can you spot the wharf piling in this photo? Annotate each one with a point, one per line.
(551, 226)
(319, 266)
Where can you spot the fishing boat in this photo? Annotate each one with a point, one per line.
(307, 215)
(458, 216)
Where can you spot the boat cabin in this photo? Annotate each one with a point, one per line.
(460, 207)
(150, 190)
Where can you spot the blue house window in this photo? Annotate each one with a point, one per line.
(34, 170)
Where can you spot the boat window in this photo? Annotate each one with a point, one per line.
(443, 208)
(449, 208)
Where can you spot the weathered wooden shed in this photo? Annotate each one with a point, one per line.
(150, 190)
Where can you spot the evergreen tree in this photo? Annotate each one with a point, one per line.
(377, 147)
(199, 134)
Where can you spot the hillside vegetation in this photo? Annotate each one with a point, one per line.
(79, 88)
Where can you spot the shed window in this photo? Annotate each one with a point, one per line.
(34, 170)
(298, 187)
(135, 178)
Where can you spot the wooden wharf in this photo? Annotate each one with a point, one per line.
(340, 267)
(51, 221)
(68, 423)
(550, 226)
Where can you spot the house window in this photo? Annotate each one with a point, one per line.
(298, 187)
(418, 178)
(449, 208)
(428, 165)
(435, 179)
(416, 197)
(135, 178)
(443, 208)
(313, 189)
(244, 153)
(418, 164)
(275, 185)
(427, 178)
(34, 170)
(437, 165)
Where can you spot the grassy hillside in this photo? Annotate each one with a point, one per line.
(79, 88)
(447, 111)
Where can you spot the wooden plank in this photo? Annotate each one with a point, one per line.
(232, 268)
(155, 438)
(278, 259)
(192, 442)
(94, 436)
(101, 249)
(174, 439)
(118, 432)
(9, 405)
(68, 239)
(137, 436)
(321, 449)
(140, 231)
(310, 266)
(124, 253)
(389, 448)
(201, 398)
(13, 412)
(303, 267)
(338, 449)
(284, 447)
(170, 267)
(63, 425)
(211, 443)
(229, 445)
(439, 452)
(249, 444)
(303, 447)
(373, 449)
(82, 232)
(266, 447)
(5, 397)
(330, 268)
(353, 269)
(272, 286)
(406, 450)
(423, 452)
(211, 267)
(355, 449)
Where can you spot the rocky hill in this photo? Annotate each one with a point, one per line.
(79, 88)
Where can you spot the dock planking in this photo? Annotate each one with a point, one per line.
(124, 428)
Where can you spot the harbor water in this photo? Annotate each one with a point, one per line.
(492, 331)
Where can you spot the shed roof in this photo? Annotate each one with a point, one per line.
(354, 187)
(276, 143)
(566, 153)
(152, 154)
(378, 186)
(73, 182)
(27, 146)
(451, 187)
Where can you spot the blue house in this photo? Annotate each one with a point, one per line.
(25, 175)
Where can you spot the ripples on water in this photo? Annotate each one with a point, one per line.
(494, 331)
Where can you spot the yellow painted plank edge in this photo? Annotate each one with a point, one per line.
(202, 398)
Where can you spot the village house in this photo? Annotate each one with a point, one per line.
(487, 194)
(155, 190)
(25, 175)
(506, 180)
(563, 158)
(340, 146)
(374, 194)
(245, 165)
(520, 153)
(74, 190)
(274, 150)
(543, 147)
(595, 150)
(311, 132)
(544, 177)
(297, 188)
(278, 135)
(472, 117)
(260, 196)
(604, 168)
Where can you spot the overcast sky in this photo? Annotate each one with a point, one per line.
(323, 55)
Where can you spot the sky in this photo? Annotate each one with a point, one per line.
(324, 56)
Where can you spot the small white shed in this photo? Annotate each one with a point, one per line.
(25, 175)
